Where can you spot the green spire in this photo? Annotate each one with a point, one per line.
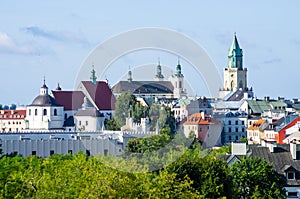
(235, 55)
(93, 76)
(178, 69)
(129, 78)
(159, 74)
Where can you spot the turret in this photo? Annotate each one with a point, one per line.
(159, 76)
(93, 76)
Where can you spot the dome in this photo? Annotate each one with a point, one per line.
(44, 100)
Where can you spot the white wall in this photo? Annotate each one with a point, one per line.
(42, 148)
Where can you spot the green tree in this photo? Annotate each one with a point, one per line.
(254, 177)
(147, 144)
(111, 125)
(209, 175)
(123, 108)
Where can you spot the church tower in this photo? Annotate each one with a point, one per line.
(159, 76)
(235, 75)
(177, 80)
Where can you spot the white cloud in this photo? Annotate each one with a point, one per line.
(7, 45)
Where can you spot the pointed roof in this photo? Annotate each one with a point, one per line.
(158, 71)
(71, 100)
(235, 48)
(101, 94)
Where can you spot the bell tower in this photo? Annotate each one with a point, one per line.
(235, 75)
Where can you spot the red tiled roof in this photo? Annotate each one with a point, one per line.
(101, 94)
(12, 114)
(71, 100)
(196, 119)
(256, 124)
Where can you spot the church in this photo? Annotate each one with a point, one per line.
(158, 88)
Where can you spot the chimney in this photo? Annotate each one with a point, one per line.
(202, 115)
(267, 98)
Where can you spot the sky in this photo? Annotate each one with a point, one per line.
(53, 39)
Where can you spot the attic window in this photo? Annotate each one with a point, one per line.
(290, 175)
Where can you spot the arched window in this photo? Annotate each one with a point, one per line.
(45, 112)
(55, 111)
(232, 85)
(35, 111)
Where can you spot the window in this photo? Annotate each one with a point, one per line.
(229, 138)
(292, 194)
(243, 130)
(200, 129)
(229, 129)
(29, 112)
(33, 152)
(180, 84)
(290, 175)
(79, 123)
(45, 112)
(86, 123)
(236, 137)
(105, 152)
(35, 111)
(243, 123)
(229, 122)
(51, 152)
(55, 111)
(236, 122)
(236, 129)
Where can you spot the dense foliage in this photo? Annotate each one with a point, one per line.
(255, 178)
(171, 172)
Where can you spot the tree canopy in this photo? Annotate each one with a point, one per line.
(254, 177)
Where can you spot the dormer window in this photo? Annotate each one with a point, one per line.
(290, 175)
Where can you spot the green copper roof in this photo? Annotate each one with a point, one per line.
(158, 72)
(235, 49)
(259, 106)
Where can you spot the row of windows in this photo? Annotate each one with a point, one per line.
(44, 112)
(12, 122)
(236, 122)
(10, 130)
(87, 152)
(86, 123)
(236, 138)
(12, 116)
(253, 134)
(236, 130)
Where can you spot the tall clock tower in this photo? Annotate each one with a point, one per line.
(235, 75)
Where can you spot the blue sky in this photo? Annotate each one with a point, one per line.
(53, 38)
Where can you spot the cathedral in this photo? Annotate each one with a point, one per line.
(158, 88)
